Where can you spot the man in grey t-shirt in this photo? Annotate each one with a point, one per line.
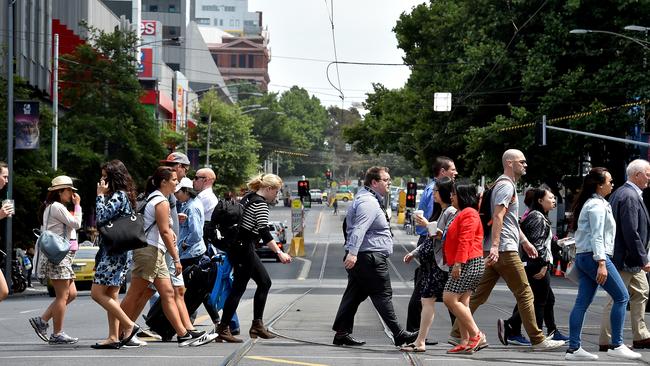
(502, 254)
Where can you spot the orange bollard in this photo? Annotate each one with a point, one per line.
(558, 270)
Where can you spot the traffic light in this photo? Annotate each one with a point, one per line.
(328, 174)
(540, 132)
(411, 193)
(303, 188)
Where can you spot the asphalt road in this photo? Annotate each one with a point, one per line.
(301, 307)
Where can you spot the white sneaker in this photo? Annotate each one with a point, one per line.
(547, 344)
(135, 342)
(580, 355)
(623, 352)
(204, 339)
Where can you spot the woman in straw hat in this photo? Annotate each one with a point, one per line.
(59, 220)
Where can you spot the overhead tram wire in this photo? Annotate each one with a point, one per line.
(338, 75)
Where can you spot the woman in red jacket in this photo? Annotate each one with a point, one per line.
(464, 254)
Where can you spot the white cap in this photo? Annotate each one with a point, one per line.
(184, 183)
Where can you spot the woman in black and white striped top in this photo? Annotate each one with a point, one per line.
(246, 264)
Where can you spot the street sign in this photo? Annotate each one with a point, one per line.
(297, 216)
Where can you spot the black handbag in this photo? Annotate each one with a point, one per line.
(124, 233)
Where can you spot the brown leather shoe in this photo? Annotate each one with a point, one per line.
(644, 343)
(259, 330)
(225, 336)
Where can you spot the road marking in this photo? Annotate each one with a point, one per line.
(306, 266)
(320, 217)
(279, 360)
(322, 267)
(28, 311)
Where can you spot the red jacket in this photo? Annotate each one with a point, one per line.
(464, 239)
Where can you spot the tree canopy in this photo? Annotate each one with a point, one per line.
(507, 64)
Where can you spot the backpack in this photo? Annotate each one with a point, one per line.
(485, 207)
(226, 218)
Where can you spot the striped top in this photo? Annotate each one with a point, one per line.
(256, 217)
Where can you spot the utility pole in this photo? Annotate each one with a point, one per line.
(55, 105)
(10, 136)
(207, 149)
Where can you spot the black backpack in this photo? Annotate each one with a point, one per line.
(226, 218)
(485, 207)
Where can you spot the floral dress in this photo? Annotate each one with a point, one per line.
(433, 278)
(110, 269)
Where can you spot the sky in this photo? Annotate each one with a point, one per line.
(363, 32)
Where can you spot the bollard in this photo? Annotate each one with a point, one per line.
(297, 248)
(400, 218)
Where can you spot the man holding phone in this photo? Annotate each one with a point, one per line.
(6, 210)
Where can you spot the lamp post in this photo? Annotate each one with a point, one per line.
(639, 42)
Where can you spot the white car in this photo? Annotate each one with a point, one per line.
(316, 195)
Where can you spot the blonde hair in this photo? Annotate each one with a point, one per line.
(264, 181)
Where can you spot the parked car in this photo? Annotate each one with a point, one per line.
(344, 195)
(316, 195)
(278, 231)
(83, 266)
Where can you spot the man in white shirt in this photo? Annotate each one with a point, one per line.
(203, 181)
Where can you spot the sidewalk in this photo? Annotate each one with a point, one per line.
(36, 290)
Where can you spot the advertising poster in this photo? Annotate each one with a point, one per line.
(26, 130)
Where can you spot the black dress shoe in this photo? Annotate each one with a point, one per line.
(347, 340)
(405, 337)
(114, 345)
(644, 343)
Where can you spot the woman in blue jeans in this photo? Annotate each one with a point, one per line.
(595, 230)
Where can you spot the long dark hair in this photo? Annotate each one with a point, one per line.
(444, 186)
(592, 180)
(538, 194)
(162, 173)
(466, 194)
(119, 179)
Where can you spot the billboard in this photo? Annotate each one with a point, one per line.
(145, 63)
(180, 94)
(26, 125)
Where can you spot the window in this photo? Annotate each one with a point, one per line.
(242, 61)
(236, 22)
(216, 21)
(232, 22)
(153, 8)
(210, 8)
(229, 8)
(171, 32)
(233, 60)
(172, 8)
(251, 61)
(221, 22)
(175, 67)
(250, 23)
(204, 21)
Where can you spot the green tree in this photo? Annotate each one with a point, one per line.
(506, 64)
(233, 150)
(105, 119)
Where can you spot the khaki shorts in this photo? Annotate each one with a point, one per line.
(149, 263)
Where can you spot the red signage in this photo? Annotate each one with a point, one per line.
(148, 28)
(145, 63)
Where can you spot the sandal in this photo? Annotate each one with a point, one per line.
(477, 342)
(461, 348)
(412, 348)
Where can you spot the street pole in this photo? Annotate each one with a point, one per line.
(207, 149)
(10, 136)
(55, 105)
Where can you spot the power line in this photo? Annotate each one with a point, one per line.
(336, 59)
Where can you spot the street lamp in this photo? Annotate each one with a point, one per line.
(641, 43)
(637, 28)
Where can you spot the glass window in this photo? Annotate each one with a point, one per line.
(205, 21)
(229, 8)
(232, 22)
(221, 22)
(242, 61)
(233, 60)
(153, 8)
(216, 22)
(251, 61)
(172, 8)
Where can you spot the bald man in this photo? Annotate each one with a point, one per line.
(203, 181)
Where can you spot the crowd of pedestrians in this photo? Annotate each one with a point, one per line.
(461, 256)
(176, 212)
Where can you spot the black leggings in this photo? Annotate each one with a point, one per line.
(246, 266)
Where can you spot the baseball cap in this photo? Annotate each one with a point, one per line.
(184, 183)
(176, 158)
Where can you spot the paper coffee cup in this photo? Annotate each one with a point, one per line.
(418, 213)
(432, 227)
(8, 203)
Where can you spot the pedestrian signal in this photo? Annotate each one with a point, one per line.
(411, 193)
(303, 188)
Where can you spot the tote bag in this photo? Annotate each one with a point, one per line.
(54, 246)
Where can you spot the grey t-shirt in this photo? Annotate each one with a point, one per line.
(505, 194)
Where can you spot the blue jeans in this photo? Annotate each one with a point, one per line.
(614, 286)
